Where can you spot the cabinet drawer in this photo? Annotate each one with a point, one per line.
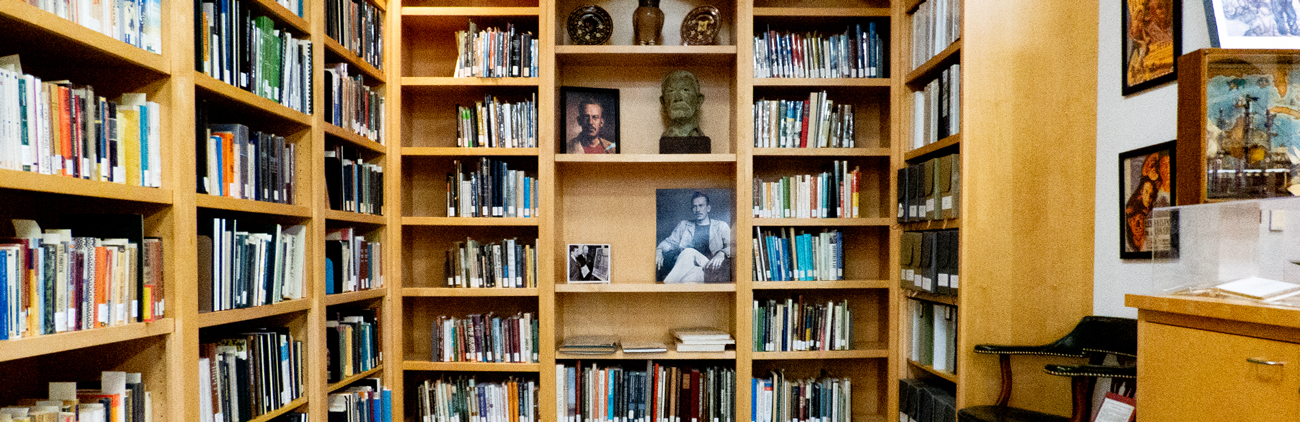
(1186, 374)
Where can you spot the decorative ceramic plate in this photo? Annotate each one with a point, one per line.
(701, 26)
(590, 25)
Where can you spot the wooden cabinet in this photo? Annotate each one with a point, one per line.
(1214, 359)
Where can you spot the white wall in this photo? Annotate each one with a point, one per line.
(1123, 124)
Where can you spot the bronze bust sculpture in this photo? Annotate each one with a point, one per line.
(681, 100)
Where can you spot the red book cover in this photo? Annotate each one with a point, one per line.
(803, 132)
(65, 129)
(695, 396)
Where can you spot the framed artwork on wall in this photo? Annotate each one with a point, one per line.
(1151, 43)
(1253, 24)
(1146, 181)
(590, 120)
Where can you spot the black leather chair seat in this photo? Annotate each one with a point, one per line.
(1005, 414)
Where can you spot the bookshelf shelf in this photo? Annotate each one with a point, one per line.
(470, 366)
(468, 152)
(828, 222)
(353, 297)
(466, 292)
(810, 285)
(284, 16)
(247, 99)
(269, 416)
(911, 5)
(468, 221)
(432, 82)
(882, 83)
(931, 297)
(358, 218)
(646, 158)
(250, 206)
(822, 11)
(954, 223)
(354, 378)
(932, 67)
(931, 149)
(46, 183)
(646, 55)
(822, 152)
(410, 11)
(877, 352)
(353, 139)
(337, 50)
(930, 370)
(669, 355)
(212, 319)
(644, 288)
(72, 340)
(26, 21)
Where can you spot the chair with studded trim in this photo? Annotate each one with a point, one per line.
(1093, 338)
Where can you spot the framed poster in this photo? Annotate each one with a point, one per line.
(1253, 23)
(693, 235)
(590, 120)
(1145, 183)
(1151, 43)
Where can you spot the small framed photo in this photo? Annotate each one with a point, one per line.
(590, 120)
(1253, 24)
(1152, 41)
(588, 263)
(1146, 181)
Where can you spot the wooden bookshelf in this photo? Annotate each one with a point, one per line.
(878, 352)
(822, 11)
(883, 83)
(15, 349)
(269, 416)
(467, 152)
(284, 16)
(469, 366)
(354, 378)
(931, 297)
(212, 319)
(822, 152)
(950, 377)
(669, 355)
(417, 82)
(353, 297)
(466, 292)
(361, 142)
(244, 98)
(930, 149)
(933, 66)
(647, 158)
(341, 53)
(952, 223)
(72, 186)
(356, 218)
(643, 288)
(822, 222)
(414, 11)
(812, 285)
(251, 206)
(469, 221)
(649, 55)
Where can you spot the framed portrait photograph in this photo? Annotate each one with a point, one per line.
(693, 235)
(590, 120)
(1146, 182)
(588, 263)
(1253, 23)
(1151, 43)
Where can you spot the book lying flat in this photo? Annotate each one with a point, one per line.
(644, 347)
(707, 348)
(1257, 288)
(698, 334)
(590, 345)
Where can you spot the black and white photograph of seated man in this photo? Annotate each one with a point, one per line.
(694, 232)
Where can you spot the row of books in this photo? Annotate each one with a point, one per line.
(368, 401)
(351, 262)
(86, 277)
(795, 326)
(353, 105)
(780, 399)
(921, 401)
(466, 399)
(235, 161)
(486, 338)
(829, 194)
(249, 374)
(816, 122)
(491, 190)
(245, 263)
(135, 22)
(936, 108)
(115, 397)
(352, 184)
(65, 129)
(936, 24)
(659, 393)
(934, 335)
(352, 339)
(786, 254)
(250, 53)
(505, 264)
(493, 123)
(930, 190)
(852, 54)
(359, 26)
(929, 261)
(495, 53)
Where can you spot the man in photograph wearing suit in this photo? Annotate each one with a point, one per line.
(698, 251)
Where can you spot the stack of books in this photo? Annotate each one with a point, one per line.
(590, 345)
(698, 339)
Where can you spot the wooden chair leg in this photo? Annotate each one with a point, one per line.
(1004, 397)
(1080, 390)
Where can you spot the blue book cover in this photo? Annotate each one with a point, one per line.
(4, 294)
(329, 279)
(387, 405)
